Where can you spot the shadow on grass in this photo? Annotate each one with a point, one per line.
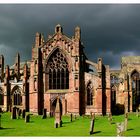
(31, 122)
(5, 128)
(130, 129)
(67, 122)
(129, 119)
(96, 132)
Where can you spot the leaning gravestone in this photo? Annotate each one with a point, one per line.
(58, 121)
(92, 125)
(27, 118)
(23, 113)
(44, 114)
(13, 115)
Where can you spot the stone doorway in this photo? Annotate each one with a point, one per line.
(53, 106)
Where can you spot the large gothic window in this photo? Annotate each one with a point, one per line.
(1, 97)
(58, 71)
(89, 93)
(135, 90)
(17, 98)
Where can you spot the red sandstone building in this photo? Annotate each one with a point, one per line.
(60, 68)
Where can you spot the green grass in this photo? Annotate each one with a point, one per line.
(79, 127)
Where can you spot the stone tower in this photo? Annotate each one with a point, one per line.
(17, 67)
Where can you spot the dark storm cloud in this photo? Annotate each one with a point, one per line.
(108, 31)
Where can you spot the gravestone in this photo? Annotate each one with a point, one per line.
(92, 126)
(71, 117)
(27, 118)
(58, 121)
(14, 113)
(126, 121)
(44, 114)
(120, 128)
(23, 113)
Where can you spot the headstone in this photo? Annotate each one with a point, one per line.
(44, 114)
(23, 113)
(92, 126)
(120, 128)
(58, 121)
(71, 117)
(27, 118)
(13, 115)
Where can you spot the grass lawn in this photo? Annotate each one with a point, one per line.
(79, 127)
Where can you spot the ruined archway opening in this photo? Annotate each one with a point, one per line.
(89, 91)
(17, 96)
(135, 90)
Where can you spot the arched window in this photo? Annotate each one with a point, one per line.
(1, 97)
(58, 71)
(89, 93)
(17, 98)
(135, 76)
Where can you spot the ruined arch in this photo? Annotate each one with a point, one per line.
(135, 79)
(16, 96)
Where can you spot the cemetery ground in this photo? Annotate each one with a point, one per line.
(78, 127)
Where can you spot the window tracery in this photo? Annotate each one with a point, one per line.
(17, 98)
(89, 93)
(58, 71)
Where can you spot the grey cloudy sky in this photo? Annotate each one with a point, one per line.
(108, 31)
